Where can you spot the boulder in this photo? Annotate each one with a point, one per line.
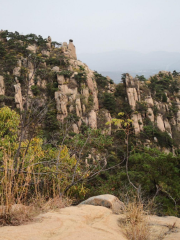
(55, 69)
(16, 71)
(32, 48)
(106, 200)
(48, 44)
(60, 79)
(45, 53)
(75, 128)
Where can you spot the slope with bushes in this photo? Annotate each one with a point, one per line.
(68, 130)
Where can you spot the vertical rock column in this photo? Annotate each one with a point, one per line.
(2, 86)
(72, 49)
(133, 94)
(17, 86)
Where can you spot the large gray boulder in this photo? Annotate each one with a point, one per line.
(106, 200)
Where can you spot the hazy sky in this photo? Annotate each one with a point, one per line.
(98, 25)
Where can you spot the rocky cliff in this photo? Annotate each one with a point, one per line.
(155, 107)
(39, 72)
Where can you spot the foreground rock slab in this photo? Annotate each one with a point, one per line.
(87, 222)
(72, 223)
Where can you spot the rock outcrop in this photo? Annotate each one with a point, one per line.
(87, 222)
(137, 95)
(92, 119)
(86, 95)
(18, 96)
(68, 94)
(32, 48)
(137, 122)
(72, 49)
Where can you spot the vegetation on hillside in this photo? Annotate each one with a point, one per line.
(41, 157)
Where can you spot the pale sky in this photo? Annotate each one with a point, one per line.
(98, 25)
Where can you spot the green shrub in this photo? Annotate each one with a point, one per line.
(164, 139)
(66, 73)
(151, 168)
(53, 61)
(35, 90)
(141, 78)
(120, 90)
(51, 88)
(164, 98)
(81, 77)
(109, 102)
(141, 107)
(102, 82)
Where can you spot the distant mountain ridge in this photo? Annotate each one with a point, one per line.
(115, 63)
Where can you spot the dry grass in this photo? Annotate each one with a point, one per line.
(21, 198)
(19, 214)
(135, 223)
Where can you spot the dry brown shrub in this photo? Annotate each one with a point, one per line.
(135, 223)
(17, 205)
(56, 203)
(19, 214)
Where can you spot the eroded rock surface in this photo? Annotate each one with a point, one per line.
(87, 222)
(18, 96)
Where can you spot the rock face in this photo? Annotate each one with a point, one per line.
(132, 97)
(93, 119)
(132, 90)
(18, 96)
(76, 91)
(136, 93)
(61, 105)
(137, 123)
(78, 101)
(160, 123)
(107, 200)
(71, 96)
